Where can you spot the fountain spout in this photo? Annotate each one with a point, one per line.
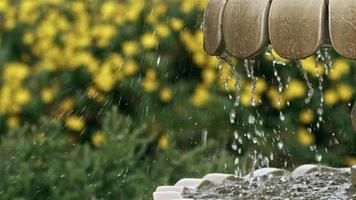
(295, 29)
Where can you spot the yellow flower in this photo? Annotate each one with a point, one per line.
(22, 96)
(309, 65)
(176, 24)
(134, 10)
(261, 86)
(15, 73)
(149, 40)
(28, 38)
(247, 97)
(229, 85)
(276, 57)
(104, 79)
(345, 92)
(98, 138)
(202, 4)
(339, 68)
(12, 121)
(108, 9)
(3, 5)
(163, 142)
(115, 61)
(200, 96)
(93, 93)
(75, 123)
(130, 68)
(350, 160)
(166, 95)
(199, 58)
(277, 100)
(186, 6)
(151, 74)
(209, 76)
(103, 34)
(130, 48)
(295, 89)
(66, 105)
(306, 116)
(47, 94)
(149, 83)
(305, 137)
(213, 62)
(331, 97)
(162, 30)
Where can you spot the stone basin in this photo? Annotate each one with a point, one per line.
(308, 181)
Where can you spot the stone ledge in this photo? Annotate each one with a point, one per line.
(176, 191)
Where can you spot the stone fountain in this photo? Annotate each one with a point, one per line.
(296, 29)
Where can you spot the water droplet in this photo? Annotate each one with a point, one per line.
(318, 157)
(236, 135)
(232, 116)
(281, 116)
(234, 146)
(251, 119)
(280, 145)
(204, 136)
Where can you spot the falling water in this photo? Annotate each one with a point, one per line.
(225, 57)
(232, 116)
(309, 85)
(324, 56)
(278, 78)
(204, 136)
(275, 71)
(249, 66)
(320, 77)
(252, 120)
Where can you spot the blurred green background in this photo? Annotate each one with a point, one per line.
(108, 99)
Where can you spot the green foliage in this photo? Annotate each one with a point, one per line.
(38, 165)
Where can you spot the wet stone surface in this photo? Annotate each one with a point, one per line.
(317, 185)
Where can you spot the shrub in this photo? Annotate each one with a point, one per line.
(43, 165)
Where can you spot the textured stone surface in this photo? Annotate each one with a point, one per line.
(296, 28)
(166, 195)
(342, 19)
(193, 183)
(186, 184)
(245, 27)
(218, 178)
(213, 37)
